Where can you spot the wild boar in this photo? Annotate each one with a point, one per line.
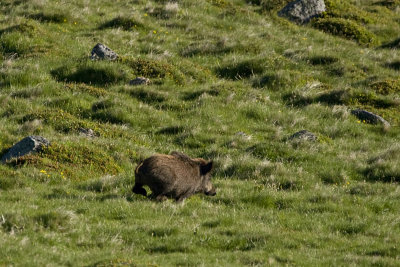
(175, 175)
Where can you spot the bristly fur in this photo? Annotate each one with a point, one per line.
(175, 175)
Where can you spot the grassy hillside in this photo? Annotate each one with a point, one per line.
(230, 81)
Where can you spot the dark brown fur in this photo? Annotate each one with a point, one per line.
(175, 175)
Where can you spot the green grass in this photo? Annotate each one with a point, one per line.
(231, 81)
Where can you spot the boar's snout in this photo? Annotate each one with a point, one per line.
(212, 192)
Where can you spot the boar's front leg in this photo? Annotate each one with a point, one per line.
(138, 189)
(182, 197)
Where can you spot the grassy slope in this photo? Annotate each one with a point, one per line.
(218, 68)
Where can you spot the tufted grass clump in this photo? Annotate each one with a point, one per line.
(383, 168)
(125, 23)
(59, 119)
(395, 65)
(98, 73)
(391, 4)
(240, 70)
(395, 44)
(22, 39)
(65, 155)
(158, 70)
(52, 17)
(322, 60)
(269, 5)
(347, 10)
(347, 29)
(86, 88)
(386, 87)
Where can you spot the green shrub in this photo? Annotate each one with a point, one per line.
(86, 88)
(347, 10)
(67, 155)
(386, 87)
(345, 28)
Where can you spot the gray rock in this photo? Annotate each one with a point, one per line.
(303, 135)
(86, 132)
(26, 146)
(101, 51)
(139, 81)
(369, 117)
(302, 11)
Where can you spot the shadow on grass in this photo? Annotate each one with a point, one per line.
(98, 75)
(124, 23)
(241, 70)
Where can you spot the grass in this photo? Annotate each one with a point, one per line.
(231, 81)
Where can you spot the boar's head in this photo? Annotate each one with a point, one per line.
(205, 174)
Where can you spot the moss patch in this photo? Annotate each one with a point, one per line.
(345, 28)
(60, 161)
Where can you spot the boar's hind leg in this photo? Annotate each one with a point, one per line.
(138, 189)
(161, 198)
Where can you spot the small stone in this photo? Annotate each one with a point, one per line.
(101, 51)
(243, 135)
(139, 81)
(304, 135)
(369, 117)
(302, 11)
(86, 132)
(28, 145)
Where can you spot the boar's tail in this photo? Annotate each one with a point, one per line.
(138, 187)
(138, 167)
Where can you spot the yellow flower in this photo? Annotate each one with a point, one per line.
(145, 14)
(358, 121)
(154, 31)
(42, 171)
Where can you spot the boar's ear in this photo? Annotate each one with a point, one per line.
(206, 168)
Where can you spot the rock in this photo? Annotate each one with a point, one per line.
(369, 117)
(243, 135)
(303, 135)
(139, 81)
(26, 146)
(101, 51)
(302, 11)
(86, 132)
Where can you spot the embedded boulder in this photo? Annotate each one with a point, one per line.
(302, 11)
(101, 51)
(303, 135)
(369, 117)
(28, 145)
(139, 81)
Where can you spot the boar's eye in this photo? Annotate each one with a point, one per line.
(206, 168)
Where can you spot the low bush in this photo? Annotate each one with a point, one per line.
(345, 28)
